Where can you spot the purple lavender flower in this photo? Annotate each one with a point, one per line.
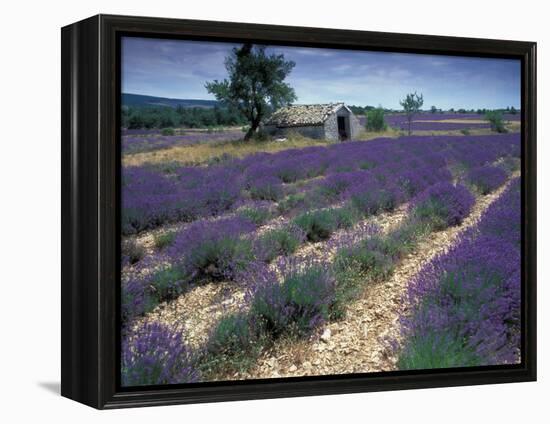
(212, 249)
(443, 204)
(154, 354)
(299, 304)
(486, 178)
(152, 196)
(466, 303)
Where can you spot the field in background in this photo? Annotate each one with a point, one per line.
(197, 146)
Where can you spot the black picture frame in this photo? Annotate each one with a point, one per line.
(90, 210)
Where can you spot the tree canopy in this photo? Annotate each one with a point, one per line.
(255, 84)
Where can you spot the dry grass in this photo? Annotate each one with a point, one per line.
(201, 153)
(371, 135)
(513, 126)
(394, 133)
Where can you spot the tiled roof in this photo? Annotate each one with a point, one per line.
(299, 115)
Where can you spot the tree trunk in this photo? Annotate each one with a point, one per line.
(253, 127)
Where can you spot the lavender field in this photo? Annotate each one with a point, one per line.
(443, 121)
(273, 248)
(276, 223)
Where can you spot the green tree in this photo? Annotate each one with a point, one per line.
(255, 84)
(433, 109)
(411, 105)
(495, 119)
(375, 120)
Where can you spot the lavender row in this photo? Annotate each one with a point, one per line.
(152, 197)
(466, 303)
(301, 295)
(227, 249)
(396, 118)
(294, 299)
(438, 126)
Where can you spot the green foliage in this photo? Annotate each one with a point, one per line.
(495, 119)
(346, 217)
(309, 291)
(412, 103)
(257, 216)
(255, 83)
(371, 202)
(294, 307)
(266, 190)
(166, 283)
(433, 109)
(216, 260)
(293, 201)
(233, 346)
(375, 120)
(373, 258)
(366, 165)
(360, 110)
(280, 241)
(465, 131)
(318, 225)
(433, 213)
(407, 235)
(231, 335)
(164, 240)
(437, 351)
(168, 131)
(166, 118)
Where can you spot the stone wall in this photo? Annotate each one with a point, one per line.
(356, 127)
(311, 131)
(328, 131)
(331, 128)
(353, 126)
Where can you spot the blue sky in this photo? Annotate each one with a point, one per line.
(179, 69)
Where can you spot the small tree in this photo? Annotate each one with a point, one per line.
(513, 111)
(255, 83)
(375, 120)
(495, 119)
(411, 105)
(433, 109)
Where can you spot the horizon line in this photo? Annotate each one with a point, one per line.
(331, 102)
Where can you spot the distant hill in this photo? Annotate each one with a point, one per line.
(138, 100)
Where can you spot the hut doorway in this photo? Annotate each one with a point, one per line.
(342, 128)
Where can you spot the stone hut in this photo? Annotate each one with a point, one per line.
(333, 121)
